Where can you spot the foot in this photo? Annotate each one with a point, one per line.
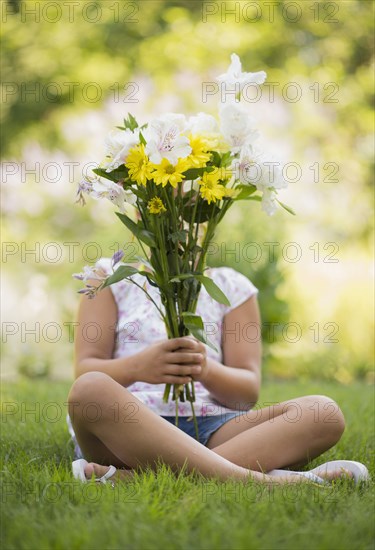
(84, 471)
(340, 473)
(318, 475)
(332, 470)
(288, 479)
(97, 470)
(348, 469)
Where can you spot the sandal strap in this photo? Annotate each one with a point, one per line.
(311, 477)
(107, 475)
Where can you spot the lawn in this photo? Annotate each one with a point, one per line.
(43, 507)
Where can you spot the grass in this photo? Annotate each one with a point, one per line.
(43, 507)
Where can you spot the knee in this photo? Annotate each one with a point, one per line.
(88, 387)
(327, 418)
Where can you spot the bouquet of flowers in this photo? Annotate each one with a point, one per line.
(181, 176)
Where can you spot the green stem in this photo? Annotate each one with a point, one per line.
(191, 230)
(167, 391)
(149, 296)
(172, 209)
(176, 411)
(191, 397)
(170, 309)
(194, 419)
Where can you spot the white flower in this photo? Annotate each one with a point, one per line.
(237, 127)
(269, 202)
(129, 196)
(203, 124)
(255, 168)
(118, 144)
(235, 77)
(85, 186)
(165, 140)
(243, 166)
(268, 174)
(113, 192)
(207, 128)
(95, 273)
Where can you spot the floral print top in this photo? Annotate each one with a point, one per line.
(139, 325)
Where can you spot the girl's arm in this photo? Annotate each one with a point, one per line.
(95, 339)
(236, 383)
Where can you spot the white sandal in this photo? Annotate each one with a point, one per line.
(359, 471)
(309, 475)
(78, 467)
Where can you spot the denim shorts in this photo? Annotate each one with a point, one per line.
(207, 425)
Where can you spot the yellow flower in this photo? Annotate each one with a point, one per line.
(230, 192)
(198, 157)
(210, 189)
(215, 142)
(156, 206)
(139, 166)
(165, 172)
(223, 173)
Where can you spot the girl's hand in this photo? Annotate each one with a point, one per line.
(174, 361)
(203, 366)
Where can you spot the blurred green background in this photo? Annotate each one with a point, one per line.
(72, 70)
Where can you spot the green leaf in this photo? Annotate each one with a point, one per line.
(142, 139)
(178, 278)
(287, 208)
(115, 175)
(150, 277)
(192, 285)
(195, 249)
(178, 236)
(226, 159)
(121, 273)
(246, 191)
(142, 234)
(130, 122)
(213, 290)
(215, 158)
(194, 173)
(147, 274)
(256, 198)
(195, 325)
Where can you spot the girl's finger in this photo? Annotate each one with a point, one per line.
(182, 370)
(183, 357)
(185, 342)
(169, 379)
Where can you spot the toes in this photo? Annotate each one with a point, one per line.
(92, 469)
(89, 470)
(346, 473)
(336, 474)
(96, 470)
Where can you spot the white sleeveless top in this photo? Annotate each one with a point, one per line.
(139, 325)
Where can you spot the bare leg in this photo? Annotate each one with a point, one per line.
(112, 425)
(284, 435)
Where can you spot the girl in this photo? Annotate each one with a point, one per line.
(123, 360)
